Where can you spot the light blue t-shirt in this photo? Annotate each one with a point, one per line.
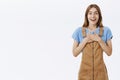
(107, 34)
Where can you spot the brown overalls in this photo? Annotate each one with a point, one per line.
(92, 64)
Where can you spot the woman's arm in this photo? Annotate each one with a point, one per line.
(77, 48)
(107, 47)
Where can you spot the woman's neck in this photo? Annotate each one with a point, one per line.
(92, 27)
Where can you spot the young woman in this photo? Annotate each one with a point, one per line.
(92, 39)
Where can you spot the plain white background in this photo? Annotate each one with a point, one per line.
(36, 38)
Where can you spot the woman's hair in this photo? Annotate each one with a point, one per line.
(99, 23)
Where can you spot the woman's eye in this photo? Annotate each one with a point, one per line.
(90, 13)
(96, 13)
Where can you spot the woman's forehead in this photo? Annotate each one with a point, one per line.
(93, 10)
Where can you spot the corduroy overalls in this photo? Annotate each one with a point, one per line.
(92, 64)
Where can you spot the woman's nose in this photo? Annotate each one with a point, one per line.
(93, 15)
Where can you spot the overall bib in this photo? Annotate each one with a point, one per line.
(92, 64)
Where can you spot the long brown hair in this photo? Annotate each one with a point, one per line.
(99, 23)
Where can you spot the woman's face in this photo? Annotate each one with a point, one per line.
(93, 16)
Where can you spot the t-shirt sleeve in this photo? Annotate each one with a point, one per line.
(76, 35)
(109, 34)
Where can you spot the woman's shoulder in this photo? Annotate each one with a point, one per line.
(77, 34)
(106, 28)
(107, 33)
(78, 29)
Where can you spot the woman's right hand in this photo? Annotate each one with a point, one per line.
(88, 38)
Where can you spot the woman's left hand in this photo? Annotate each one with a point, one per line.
(95, 37)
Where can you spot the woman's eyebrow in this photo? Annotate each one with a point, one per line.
(93, 11)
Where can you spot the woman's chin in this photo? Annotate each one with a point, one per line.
(93, 23)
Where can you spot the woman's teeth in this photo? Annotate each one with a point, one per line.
(92, 19)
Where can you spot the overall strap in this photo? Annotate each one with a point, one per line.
(101, 32)
(83, 32)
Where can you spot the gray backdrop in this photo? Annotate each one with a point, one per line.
(36, 38)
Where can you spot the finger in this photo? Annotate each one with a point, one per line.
(90, 41)
(96, 34)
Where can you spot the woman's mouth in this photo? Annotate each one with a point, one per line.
(93, 19)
